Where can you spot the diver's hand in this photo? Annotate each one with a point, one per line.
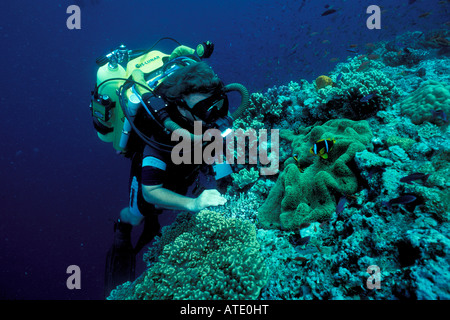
(208, 198)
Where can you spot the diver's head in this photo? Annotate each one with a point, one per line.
(195, 93)
(206, 107)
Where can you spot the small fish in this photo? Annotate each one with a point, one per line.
(341, 205)
(373, 56)
(439, 114)
(295, 157)
(407, 198)
(304, 225)
(366, 98)
(424, 15)
(415, 176)
(339, 77)
(364, 66)
(302, 260)
(327, 12)
(322, 147)
(353, 50)
(298, 240)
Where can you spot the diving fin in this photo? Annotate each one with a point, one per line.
(120, 259)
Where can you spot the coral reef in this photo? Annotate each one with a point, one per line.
(245, 177)
(354, 80)
(218, 258)
(431, 96)
(309, 194)
(267, 237)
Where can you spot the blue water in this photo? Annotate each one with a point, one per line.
(61, 187)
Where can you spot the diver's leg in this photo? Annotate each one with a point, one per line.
(120, 259)
(129, 216)
(151, 229)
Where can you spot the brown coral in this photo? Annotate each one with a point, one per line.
(323, 81)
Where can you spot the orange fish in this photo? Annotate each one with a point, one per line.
(353, 45)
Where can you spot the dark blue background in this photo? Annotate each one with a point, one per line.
(60, 187)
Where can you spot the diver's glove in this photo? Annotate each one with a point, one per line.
(205, 49)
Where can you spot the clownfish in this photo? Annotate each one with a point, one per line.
(295, 157)
(322, 147)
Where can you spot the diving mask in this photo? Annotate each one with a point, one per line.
(211, 108)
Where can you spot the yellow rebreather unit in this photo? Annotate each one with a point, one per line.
(146, 63)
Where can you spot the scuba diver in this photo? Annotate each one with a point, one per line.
(142, 99)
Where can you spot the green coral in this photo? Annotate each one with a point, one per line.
(245, 177)
(306, 191)
(403, 142)
(183, 223)
(219, 258)
(431, 95)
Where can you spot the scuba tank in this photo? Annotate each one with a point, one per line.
(107, 93)
(105, 105)
(107, 110)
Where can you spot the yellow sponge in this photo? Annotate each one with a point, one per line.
(323, 81)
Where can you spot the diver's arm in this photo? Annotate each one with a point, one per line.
(167, 199)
